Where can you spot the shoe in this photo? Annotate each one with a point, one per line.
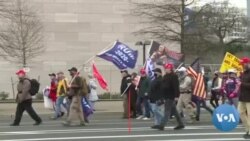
(13, 124)
(146, 118)
(86, 120)
(37, 123)
(53, 118)
(246, 136)
(179, 127)
(155, 126)
(62, 114)
(66, 123)
(161, 128)
(140, 117)
(134, 117)
(197, 118)
(82, 124)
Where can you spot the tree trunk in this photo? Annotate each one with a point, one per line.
(182, 25)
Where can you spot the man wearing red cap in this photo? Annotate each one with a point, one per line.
(143, 99)
(170, 92)
(24, 100)
(244, 96)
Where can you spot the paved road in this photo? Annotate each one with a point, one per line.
(107, 126)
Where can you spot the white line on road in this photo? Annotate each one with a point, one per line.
(130, 136)
(88, 130)
(220, 139)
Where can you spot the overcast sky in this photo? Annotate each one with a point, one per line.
(238, 3)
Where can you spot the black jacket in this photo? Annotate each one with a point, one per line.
(155, 90)
(124, 83)
(170, 86)
(245, 87)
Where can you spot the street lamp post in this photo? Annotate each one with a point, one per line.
(143, 44)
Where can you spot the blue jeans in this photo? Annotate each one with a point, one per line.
(145, 101)
(59, 102)
(158, 115)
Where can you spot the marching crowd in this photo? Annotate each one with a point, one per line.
(73, 95)
(168, 95)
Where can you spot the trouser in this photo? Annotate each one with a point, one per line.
(125, 105)
(59, 103)
(76, 109)
(158, 113)
(184, 102)
(169, 106)
(233, 101)
(92, 104)
(145, 101)
(202, 103)
(244, 110)
(214, 98)
(25, 106)
(133, 98)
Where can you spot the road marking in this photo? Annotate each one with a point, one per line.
(131, 136)
(89, 130)
(220, 139)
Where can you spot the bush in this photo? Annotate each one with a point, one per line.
(109, 96)
(39, 96)
(4, 95)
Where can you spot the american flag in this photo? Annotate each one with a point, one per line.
(199, 89)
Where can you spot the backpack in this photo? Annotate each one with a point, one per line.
(84, 88)
(34, 86)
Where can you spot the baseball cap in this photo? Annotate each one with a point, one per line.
(157, 70)
(60, 72)
(142, 71)
(126, 71)
(73, 69)
(245, 60)
(169, 66)
(52, 74)
(21, 71)
(182, 69)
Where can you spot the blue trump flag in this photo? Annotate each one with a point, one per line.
(121, 56)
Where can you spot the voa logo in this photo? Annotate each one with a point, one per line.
(225, 117)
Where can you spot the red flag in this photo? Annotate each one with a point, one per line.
(102, 82)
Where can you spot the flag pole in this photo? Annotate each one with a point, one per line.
(90, 59)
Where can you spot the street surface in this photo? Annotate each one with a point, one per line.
(106, 125)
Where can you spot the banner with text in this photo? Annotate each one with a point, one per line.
(230, 61)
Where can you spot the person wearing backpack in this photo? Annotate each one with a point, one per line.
(77, 92)
(24, 99)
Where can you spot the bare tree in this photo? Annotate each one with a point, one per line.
(21, 38)
(163, 20)
(169, 20)
(220, 20)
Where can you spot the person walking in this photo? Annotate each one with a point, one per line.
(53, 88)
(143, 100)
(231, 88)
(244, 97)
(62, 87)
(133, 94)
(215, 91)
(24, 100)
(155, 97)
(92, 97)
(185, 100)
(75, 90)
(126, 81)
(170, 93)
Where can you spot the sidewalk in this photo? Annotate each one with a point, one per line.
(101, 106)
